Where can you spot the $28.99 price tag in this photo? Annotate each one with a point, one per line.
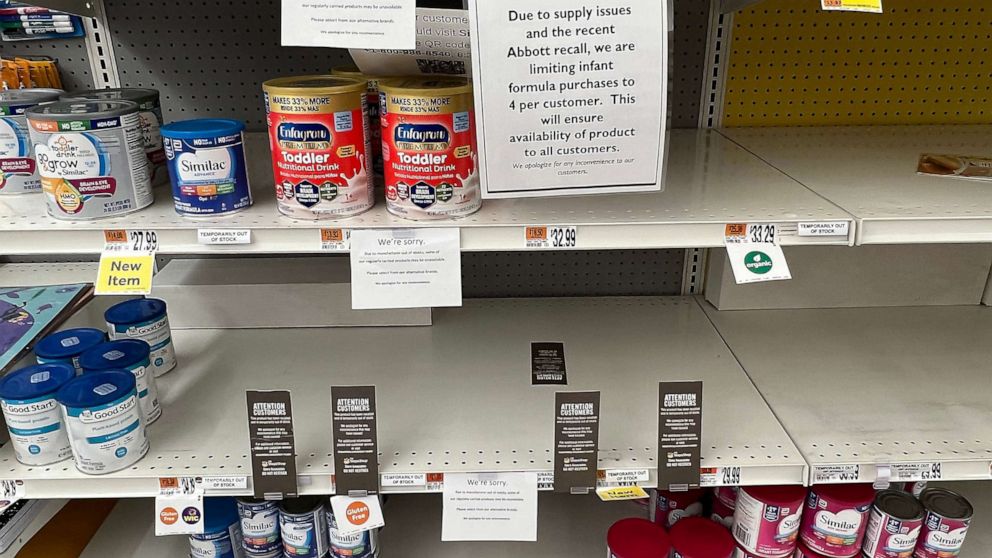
(553, 237)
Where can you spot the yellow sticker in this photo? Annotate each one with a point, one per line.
(125, 274)
(870, 6)
(621, 493)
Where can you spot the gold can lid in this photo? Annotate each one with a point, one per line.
(314, 85)
(426, 85)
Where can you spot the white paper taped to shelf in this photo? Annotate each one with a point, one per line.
(824, 228)
(224, 483)
(623, 476)
(443, 47)
(565, 102)
(355, 515)
(402, 480)
(220, 237)
(754, 253)
(836, 473)
(489, 507)
(338, 24)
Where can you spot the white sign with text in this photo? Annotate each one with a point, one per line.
(349, 23)
(489, 507)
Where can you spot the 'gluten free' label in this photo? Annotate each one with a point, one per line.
(547, 364)
(356, 446)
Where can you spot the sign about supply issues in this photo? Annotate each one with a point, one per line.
(570, 95)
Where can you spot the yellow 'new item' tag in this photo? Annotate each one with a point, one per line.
(621, 493)
(125, 274)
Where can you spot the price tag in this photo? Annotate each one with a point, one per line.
(825, 228)
(355, 515)
(10, 492)
(720, 476)
(402, 480)
(754, 253)
(554, 237)
(335, 240)
(435, 482)
(870, 6)
(621, 493)
(914, 472)
(826, 474)
(179, 507)
(223, 237)
(119, 240)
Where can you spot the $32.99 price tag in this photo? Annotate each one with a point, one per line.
(553, 237)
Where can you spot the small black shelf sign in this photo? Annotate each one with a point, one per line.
(576, 441)
(680, 428)
(273, 445)
(547, 364)
(356, 445)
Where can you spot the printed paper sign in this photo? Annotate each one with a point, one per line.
(622, 477)
(355, 515)
(443, 47)
(824, 228)
(489, 507)
(125, 273)
(405, 268)
(565, 102)
(349, 23)
(272, 443)
(547, 364)
(223, 483)
(754, 253)
(403, 480)
(836, 473)
(356, 453)
(871, 6)
(680, 427)
(221, 237)
(179, 507)
(621, 493)
(576, 441)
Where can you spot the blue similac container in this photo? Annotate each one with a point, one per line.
(145, 319)
(65, 346)
(259, 527)
(34, 419)
(206, 159)
(104, 421)
(221, 536)
(303, 527)
(132, 355)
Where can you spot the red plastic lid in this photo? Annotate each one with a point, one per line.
(854, 495)
(777, 495)
(637, 538)
(696, 537)
(802, 551)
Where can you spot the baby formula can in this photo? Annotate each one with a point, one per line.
(221, 537)
(429, 148)
(722, 514)
(33, 415)
(206, 160)
(303, 526)
(67, 345)
(149, 113)
(698, 537)
(673, 506)
(372, 100)
(90, 158)
(259, 526)
(946, 519)
(727, 495)
(318, 133)
(104, 421)
(637, 538)
(741, 553)
(145, 319)
(131, 355)
(836, 517)
(18, 171)
(767, 518)
(356, 545)
(803, 551)
(893, 525)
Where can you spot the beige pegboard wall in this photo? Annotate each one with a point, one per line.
(921, 62)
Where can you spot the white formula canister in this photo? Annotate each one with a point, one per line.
(145, 319)
(91, 158)
(33, 416)
(104, 421)
(132, 355)
(18, 171)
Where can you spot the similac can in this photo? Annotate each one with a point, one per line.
(915, 488)
(698, 537)
(767, 518)
(149, 113)
(372, 100)
(145, 319)
(429, 157)
(835, 518)
(104, 421)
(206, 160)
(673, 506)
(33, 415)
(893, 525)
(741, 553)
(319, 137)
(131, 355)
(637, 538)
(803, 551)
(259, 526)
(303, 526)
(67, 345)
(18, 170)
(946, 519)
(721, 513)
(90, 158)
(221, 537)
(357, 545)
(726, 495)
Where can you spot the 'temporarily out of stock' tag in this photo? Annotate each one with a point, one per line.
(223, 237)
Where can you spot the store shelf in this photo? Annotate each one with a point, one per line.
(860, 389)
(711, 182)
(43, 511)
(453, 397)
(41, 274)
(871, 173)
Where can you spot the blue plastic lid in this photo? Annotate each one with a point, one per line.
(98, 388)
(114, 355)
(135, 311)
(202, 128)
(219, 514)
(69, 343)
(35, 381)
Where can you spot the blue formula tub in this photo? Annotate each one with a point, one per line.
(145, 319)
(132, 355)
(67, 345)
(33, 415)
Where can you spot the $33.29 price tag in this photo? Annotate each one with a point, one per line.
(553, 237)
(754, 253)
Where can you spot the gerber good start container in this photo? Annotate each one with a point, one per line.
(67, 345)
(145, 319)
(131, 355)
(33, 415)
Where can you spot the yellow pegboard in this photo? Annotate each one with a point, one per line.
(921, 62)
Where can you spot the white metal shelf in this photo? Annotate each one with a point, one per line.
(869, 387)
(870, 171)
(453, 397)
(711, 182)
(43, 512)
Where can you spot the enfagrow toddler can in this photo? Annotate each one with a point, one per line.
(91, 158)
(221, 537)
(104, 421)
(259, 526)
(372, 99)
(131, 355)
(429, 148)
(767, 519)
(33, 415)
(835, 518)
(357, 545)
(145, 319)
(207, 167)
(68, 345)
(18, 170)
(303, 526)
(945, 524)
(893, 525)
(319, 137)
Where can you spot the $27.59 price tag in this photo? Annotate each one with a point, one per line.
(553, 237)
